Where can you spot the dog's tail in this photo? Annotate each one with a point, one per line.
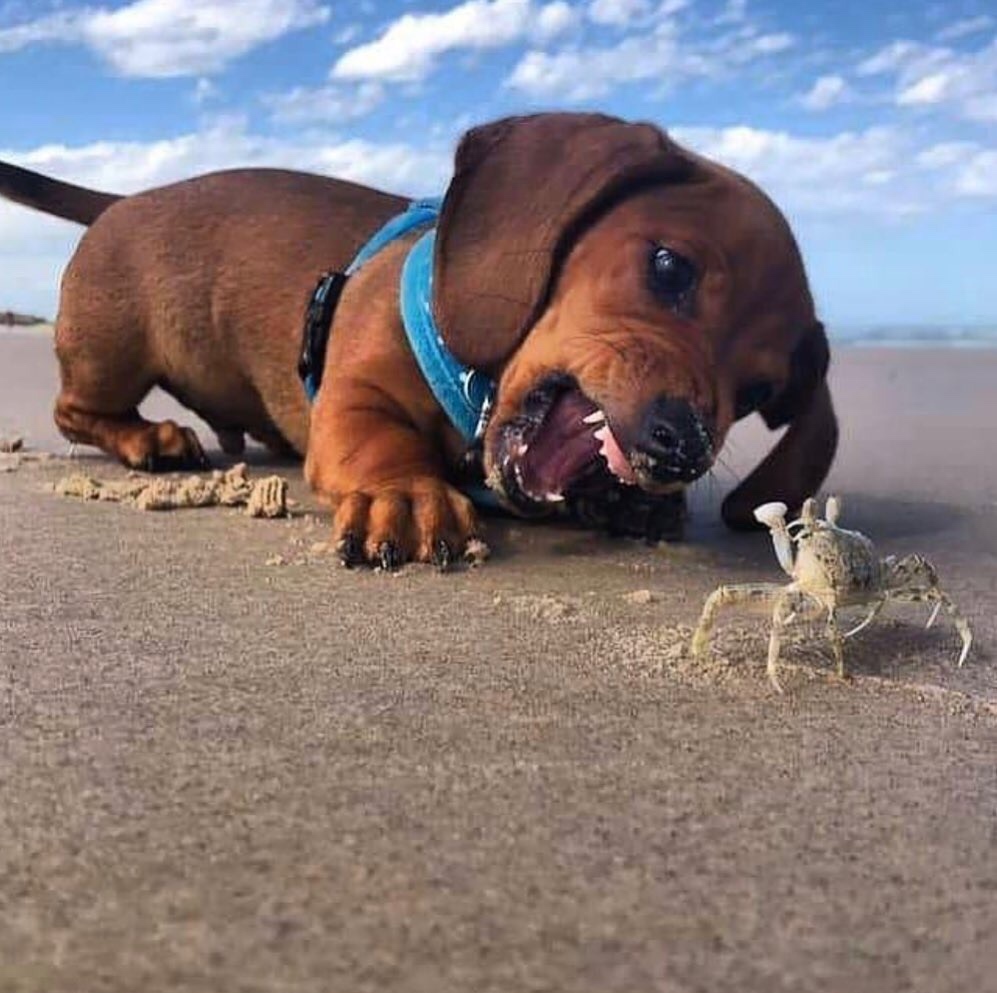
(72, 203)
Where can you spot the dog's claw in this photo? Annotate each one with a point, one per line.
(425, 521)
(349, 551)
(389, 557)
(442, 555)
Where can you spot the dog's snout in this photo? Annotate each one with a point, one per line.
(673, 444)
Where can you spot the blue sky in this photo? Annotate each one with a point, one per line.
(872, 124)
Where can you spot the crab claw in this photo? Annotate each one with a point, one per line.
(808, 512)
(772, 515)
(832, 509)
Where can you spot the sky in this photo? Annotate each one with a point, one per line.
(872, 123)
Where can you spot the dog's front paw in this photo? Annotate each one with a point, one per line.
(421, 520)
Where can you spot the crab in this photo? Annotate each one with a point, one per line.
(831, 569)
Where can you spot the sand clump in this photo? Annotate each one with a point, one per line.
(232, 488)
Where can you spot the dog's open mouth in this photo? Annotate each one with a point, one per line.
(559, 445)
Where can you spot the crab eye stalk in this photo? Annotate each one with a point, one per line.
(673, 278)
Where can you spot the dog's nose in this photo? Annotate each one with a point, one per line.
(673, 444)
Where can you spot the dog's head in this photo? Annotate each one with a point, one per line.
(633, 300)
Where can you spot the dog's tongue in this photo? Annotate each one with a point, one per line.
(619, 464)
(573, 434)
(562, 446)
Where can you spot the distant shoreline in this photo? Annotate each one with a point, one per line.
(12, 319)
(916, 338)
(898, 339)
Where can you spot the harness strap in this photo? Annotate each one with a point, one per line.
(417, 213)
(465, 394)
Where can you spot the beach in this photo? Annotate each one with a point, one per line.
(226, 763)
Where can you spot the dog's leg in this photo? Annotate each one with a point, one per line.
(98, 405)
(152, 446)
(390, 501)
(230, 441)
(275, 443)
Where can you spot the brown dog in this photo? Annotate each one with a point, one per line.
(631, 299)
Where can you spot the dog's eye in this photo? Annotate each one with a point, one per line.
(673, 278)
(749, 398)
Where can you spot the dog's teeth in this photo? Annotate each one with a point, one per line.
(596, 417)
(554, 498)
(522, 450)
(601, 434)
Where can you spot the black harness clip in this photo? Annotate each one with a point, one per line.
(315, 335)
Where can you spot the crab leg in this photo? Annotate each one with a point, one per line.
(870, 617)
(725, 596)
(940, 600)
(834, 636)
(784, 611)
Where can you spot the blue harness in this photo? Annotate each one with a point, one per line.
(465, 394)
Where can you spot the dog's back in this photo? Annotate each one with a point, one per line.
(199, 287)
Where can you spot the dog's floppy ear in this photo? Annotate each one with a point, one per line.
(797, 465)
(521, 187)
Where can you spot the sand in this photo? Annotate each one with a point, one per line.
(266, 497)
(218, 774)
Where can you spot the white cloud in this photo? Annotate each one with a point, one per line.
(555, 19)
(124, 167)
(586, 73)
(204, 90)
(963, 167)
(764, 44)
(879, 171)
(409, 48)
(659, 56)
(965, 27)
(815, 172)
(734, 12)
(879, 177)
(34, 248)
(164, 38)
(928, 89)
(928, 76)
(944, 154)
(826, 92)
(53, 27)
(617, 12)
(978, 175)
(328, 104)
(347, 34)
(888, 59)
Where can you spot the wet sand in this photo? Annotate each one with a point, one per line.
(219, 774)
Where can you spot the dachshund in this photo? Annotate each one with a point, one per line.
(629, 299)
